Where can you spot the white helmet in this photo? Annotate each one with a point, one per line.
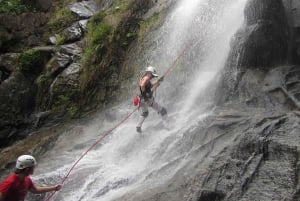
(25, 161)
(152, 70)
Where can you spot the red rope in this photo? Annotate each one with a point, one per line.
(172, 66)
(90, 148)
(117, 125)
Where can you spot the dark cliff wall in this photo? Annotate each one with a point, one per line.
(260, 45)
(261, 74)
(65, 65)
(293, 14)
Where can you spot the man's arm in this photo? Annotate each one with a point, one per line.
(4, 188)
(1, 197)
(157, 82)
(43, 189)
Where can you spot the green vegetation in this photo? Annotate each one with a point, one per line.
(42, 78)
(16, 7)
(60, 39)
(98, 37)
(64, 103)
(121, 6)
(29, 59)
(72, 110)
(61, 19)
(117, 11)
(61, 100)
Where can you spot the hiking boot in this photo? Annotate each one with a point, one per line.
(138, 129)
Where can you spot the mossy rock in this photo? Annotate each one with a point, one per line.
(33, 61)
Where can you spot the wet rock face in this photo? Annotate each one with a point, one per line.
(55, 80)
(282, 84)
(44, 4)
(111, 63)
(18, 90)
(257, 10)
(261, 44)
(24, 29)
(84, 9)
(8, 64)
(67, 83)
(17, 101)
(262, 163)
(267, 42)
(261, 166)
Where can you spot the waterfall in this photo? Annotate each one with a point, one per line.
(198, 34)
(127, 164)
(51, 93)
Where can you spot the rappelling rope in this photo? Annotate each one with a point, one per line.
(173, 65)
(113, 128)
(90, 148)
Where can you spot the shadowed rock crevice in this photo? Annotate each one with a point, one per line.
(207, 195)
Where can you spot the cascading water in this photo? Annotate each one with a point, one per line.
(127, 163)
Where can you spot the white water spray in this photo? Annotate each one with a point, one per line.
(225, 26)
(127, 163)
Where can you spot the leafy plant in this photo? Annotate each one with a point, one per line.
(72, 110)
(60, 39)
(60, 102)
(28, 59)
(61, 19)
(41, 78)
(65, 103)
(98, 36)
(16, 7)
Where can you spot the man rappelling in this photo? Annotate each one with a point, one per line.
(147, 99)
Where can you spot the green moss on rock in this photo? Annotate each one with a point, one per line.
(15, 7)
(98, 36)
(60, 20)
(29, 59)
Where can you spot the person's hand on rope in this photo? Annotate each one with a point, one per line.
(157, 83)
(161, 78)
(57, 187)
